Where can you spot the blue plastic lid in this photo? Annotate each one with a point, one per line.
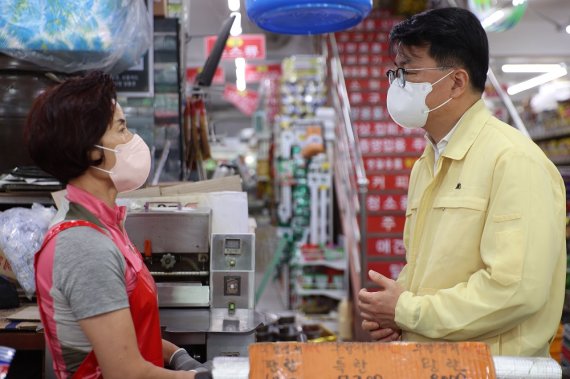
(306, 16)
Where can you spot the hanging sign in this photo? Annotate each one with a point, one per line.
(392, 163)
(384, 129)
(248, 46)
(392, 270)
(254, 73)
(392, 182)
(386, 247)
(386, 202)
(390, 145)
(192, 72)
(246, 101)
(386, 224)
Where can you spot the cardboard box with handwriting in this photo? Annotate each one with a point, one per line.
(371, 360)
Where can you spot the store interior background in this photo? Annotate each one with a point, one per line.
(533, 40)
(537, 38)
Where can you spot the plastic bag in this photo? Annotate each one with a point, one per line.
(69, 35)
(22, 232)
(6, 356)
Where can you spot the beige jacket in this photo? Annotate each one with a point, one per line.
(485, 241)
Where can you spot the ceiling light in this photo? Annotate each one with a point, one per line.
(234, 5)
(568, 29)
(240, 74)
(541, 79)
(236, 29)
(515, 68)
(492, 19)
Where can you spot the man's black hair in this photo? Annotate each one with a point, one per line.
(454, 36)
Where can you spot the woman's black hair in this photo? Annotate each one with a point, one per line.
(67, 120)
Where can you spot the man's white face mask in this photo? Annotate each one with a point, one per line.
(407, 103)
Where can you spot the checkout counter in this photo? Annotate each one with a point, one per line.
(205, 285)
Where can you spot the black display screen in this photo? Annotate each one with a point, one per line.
(232, 243)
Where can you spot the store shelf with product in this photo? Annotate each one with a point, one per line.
(388, 151)
(303, 153)
(539, 134)
(322, 274)
(168, 69)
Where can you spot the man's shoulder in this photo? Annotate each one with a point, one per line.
(502, 137)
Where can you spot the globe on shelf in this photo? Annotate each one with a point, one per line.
(498, 15)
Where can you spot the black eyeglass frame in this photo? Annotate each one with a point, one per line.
(400, 73)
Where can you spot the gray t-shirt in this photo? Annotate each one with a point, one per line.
(88, 280)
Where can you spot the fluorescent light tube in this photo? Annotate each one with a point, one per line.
(541, 79)
(492, 18)
(530, 67)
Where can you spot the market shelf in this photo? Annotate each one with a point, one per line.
(337, 264)
(335, 294)
(543, 135)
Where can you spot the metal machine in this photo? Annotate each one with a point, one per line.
(205, 281)
(175, 247)
(233, 271)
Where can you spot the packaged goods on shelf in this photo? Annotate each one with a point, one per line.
(69, 36)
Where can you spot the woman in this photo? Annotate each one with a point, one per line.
(97, 300)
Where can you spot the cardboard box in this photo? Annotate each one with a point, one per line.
(159, 8)
(370, 360)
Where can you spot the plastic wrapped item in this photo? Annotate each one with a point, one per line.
(69, 35)
(231, 368)
(526, 367)
(22, 232)
(6, 356)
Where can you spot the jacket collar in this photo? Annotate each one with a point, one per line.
(467, 130)
(107, 215)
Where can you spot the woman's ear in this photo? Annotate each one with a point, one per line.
(461, 82)
(96, 154)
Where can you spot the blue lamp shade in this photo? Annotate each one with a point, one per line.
(307, 16)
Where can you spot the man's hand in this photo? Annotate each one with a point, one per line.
(381, 334)
(380, 306)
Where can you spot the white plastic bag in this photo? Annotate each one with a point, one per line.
(22, 232)
(70, 35)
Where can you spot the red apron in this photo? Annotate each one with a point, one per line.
(143, 304)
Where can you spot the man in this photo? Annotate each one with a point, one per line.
(485, 221)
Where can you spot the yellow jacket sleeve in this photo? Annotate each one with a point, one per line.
(521, 242)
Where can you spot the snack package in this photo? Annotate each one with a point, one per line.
(6, 356)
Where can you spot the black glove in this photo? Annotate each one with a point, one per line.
(182, 361)
(203, 375)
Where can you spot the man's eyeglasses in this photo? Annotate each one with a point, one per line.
(399, 74)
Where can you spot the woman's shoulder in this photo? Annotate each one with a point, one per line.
(84, 243)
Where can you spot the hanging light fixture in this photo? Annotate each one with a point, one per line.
(548, 76)
(498, 15)
(307, 16)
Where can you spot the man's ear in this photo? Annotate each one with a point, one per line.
(461, 82)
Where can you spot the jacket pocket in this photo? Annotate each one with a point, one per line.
(412, 208)
(457, 202)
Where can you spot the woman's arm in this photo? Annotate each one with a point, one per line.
(168, 349)
(113, 338)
